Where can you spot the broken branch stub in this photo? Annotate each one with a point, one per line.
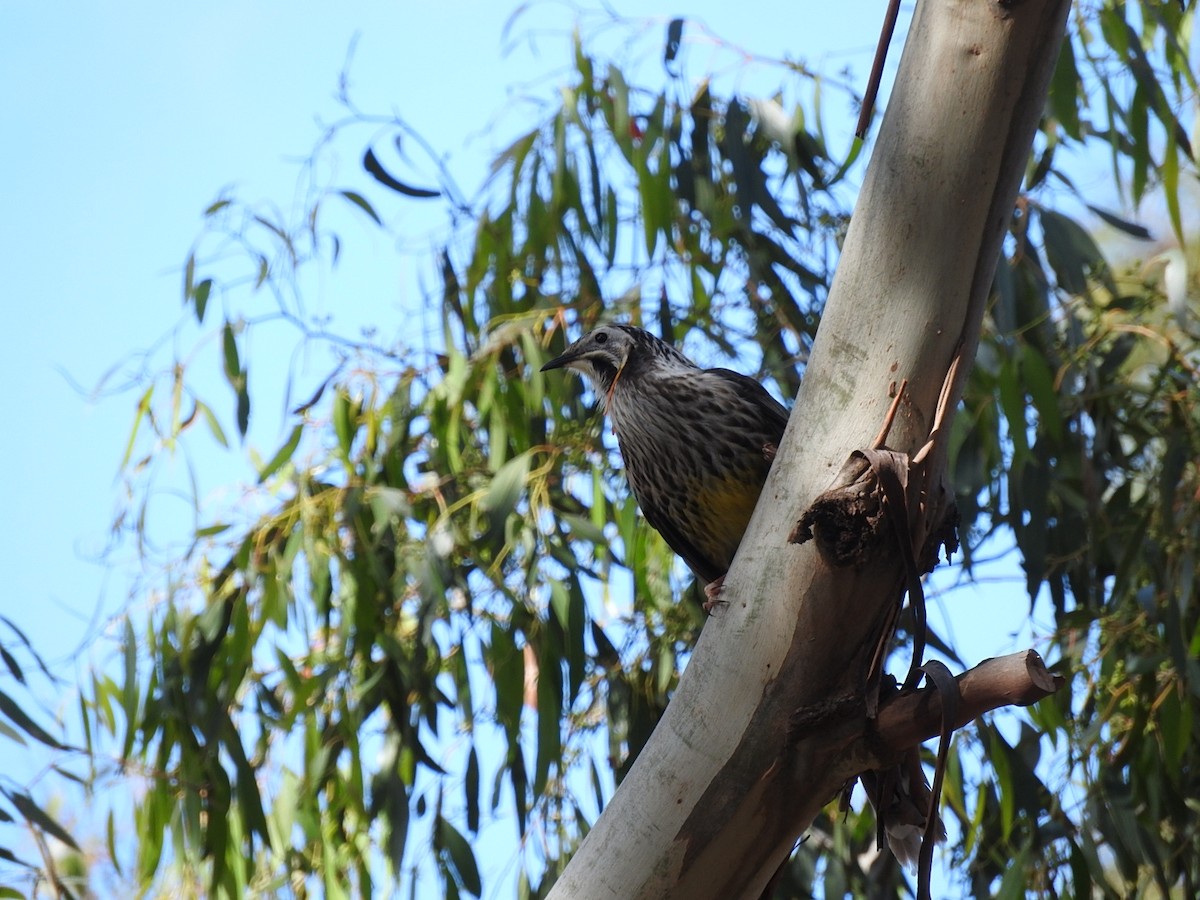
(1018, 679)
(847, 519)
(905, 720)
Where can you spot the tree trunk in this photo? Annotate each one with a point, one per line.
(726, 785)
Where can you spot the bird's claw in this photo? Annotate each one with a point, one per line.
(712, 594)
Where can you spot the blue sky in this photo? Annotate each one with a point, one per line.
(123, 122)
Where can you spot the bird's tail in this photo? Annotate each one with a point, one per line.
(903, 803)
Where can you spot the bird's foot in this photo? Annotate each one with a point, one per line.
(769, 450)
(712, 594)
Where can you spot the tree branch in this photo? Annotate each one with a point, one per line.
(845, 727)
(1019, 679)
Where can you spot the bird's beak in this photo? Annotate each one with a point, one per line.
(560, 361)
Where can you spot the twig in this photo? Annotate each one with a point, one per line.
(885, 429)
(881, 51)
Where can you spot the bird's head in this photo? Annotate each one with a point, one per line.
(602, 354)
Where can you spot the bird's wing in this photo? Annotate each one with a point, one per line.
(774, 413)
(700, 564)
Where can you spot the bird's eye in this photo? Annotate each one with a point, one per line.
(602, 337)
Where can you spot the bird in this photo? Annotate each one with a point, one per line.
(697, 446)
(696, 443)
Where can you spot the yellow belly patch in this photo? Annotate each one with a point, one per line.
(729, 500)
(724, 506)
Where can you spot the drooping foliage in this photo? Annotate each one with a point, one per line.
(436, 623)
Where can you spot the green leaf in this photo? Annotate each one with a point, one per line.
(460, 857)
(1012, 402)
(1005, 786)
(361, 202)
(28, 646)
(674, 37)
(143, 412)
(1064, 91)
(216, 835)
(1013, 885)
(1175, 724)
(233, 365)
(200, 298)
(619, 95)
(373, 166)
(314, 399)
(612, 211)
(1130, 228)
(549, 712)
(560, 604)
(130, 689)
(214, 426)
(464, 696)
(249, 800)
(575, 649)
(344, 423)
(652, 222)
(243, 407)
(507, 486)
(507, 667)
(189, 277)
(1040, 382)
(1080, 872)
(264, 272)
(283, 454)
(471, 790)
(397, 812)
(1170, 181)
(584, 529)
(1139, 136)
(1071, 251)
(388, 505)
(280, 232)
(15, 736)
(13, 666)
(733, 146)
(18, 717)
(38, 817)
(664, 668)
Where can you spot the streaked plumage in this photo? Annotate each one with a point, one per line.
(697, 443)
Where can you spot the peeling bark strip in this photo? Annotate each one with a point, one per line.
(881, 51)
(935, 831)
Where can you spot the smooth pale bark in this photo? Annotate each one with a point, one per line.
(720, 794)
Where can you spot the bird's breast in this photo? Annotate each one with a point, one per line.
(695, 464)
